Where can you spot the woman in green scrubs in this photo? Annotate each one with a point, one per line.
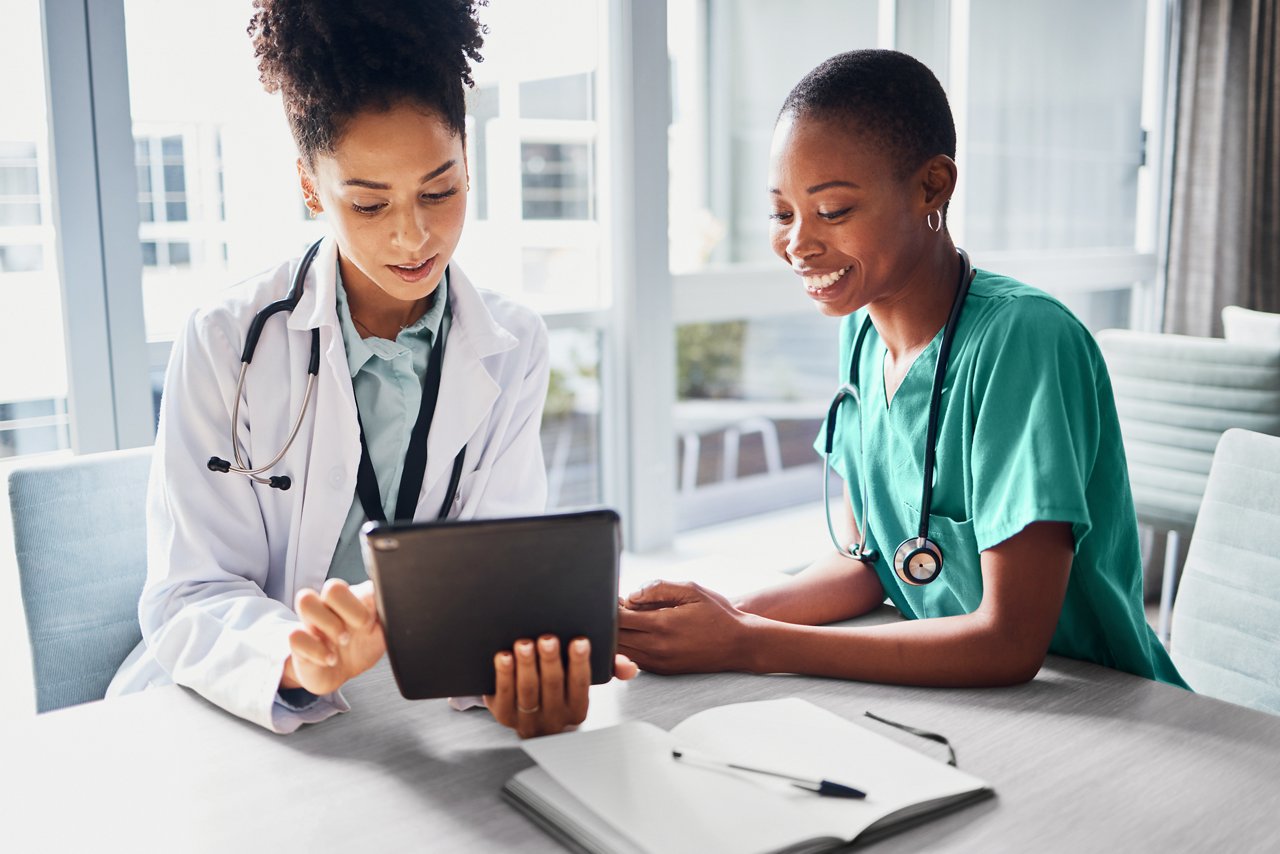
(1030, 507)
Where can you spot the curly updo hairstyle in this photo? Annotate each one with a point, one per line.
(331, 59)
(890, 97)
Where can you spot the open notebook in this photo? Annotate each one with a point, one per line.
(619, 789)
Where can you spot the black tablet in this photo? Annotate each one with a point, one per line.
(452, 594)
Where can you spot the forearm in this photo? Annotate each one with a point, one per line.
(831, 588)
(968, 650)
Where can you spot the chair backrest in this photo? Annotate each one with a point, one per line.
(1175, 395)
(1226, 620)
(79, 531)
(1245, 326)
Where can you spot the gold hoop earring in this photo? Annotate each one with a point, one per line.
(928, 221)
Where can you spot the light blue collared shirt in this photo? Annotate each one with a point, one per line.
(387, 379)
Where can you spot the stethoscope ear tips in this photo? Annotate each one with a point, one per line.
(219, 464)
(281, 482)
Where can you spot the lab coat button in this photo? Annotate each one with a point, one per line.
(337, 477)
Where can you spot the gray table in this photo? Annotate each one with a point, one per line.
(1082, 759)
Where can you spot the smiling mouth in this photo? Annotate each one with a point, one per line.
(410, 268)
(815, 284)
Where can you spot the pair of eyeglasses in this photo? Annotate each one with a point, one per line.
(932, 736)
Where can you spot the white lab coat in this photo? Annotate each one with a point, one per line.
(225, 556)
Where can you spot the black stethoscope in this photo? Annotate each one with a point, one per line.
(415, 458)
(918, 560)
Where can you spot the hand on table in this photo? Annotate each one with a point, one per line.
(681, 627)
(340, 637)
(534, 696)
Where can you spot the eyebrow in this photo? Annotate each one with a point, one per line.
(378, 185)
(817, 188)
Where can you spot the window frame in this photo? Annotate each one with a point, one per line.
(94, 190)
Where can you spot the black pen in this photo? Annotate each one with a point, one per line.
(827, 788)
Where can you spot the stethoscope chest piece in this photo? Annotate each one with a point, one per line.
(917, 561)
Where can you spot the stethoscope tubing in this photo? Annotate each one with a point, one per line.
(241, 467)
(859, 551)
(288, 303)
(418, 440)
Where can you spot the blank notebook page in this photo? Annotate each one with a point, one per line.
(626, 774)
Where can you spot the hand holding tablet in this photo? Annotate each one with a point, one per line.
(536, 695)
(494, 607)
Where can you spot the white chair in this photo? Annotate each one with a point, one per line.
(1245, 326)
(1226, 621)
(1175, 395)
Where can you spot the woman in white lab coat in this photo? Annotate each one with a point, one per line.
(248, 599)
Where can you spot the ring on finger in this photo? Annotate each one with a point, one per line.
(522, 710)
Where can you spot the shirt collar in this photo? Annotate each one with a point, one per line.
(425, 328)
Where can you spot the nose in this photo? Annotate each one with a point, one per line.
(412, 228)
(800, 240)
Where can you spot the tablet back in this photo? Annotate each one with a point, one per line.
(452, 594)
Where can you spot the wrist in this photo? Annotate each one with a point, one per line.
(288, 677)
(746, 643)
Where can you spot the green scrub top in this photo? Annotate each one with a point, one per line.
(1027, 432)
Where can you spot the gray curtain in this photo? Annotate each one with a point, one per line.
(1224, 226)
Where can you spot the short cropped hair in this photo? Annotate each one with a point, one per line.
(890, 97)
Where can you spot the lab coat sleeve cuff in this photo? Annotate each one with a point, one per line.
(296, 699)
(464, 703)
(291, 709)
(286, 718)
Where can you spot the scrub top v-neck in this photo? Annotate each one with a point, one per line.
(1027, 432)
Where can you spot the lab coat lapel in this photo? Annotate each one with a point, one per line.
(467, 390)
(334, 449)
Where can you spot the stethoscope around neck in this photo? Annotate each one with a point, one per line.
(917, 560)
(366, 481)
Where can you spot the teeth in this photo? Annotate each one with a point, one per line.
(818, 283)
(413, 267)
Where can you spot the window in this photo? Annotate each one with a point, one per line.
(556, 180)
(754, 366)
(33, 386)
(19, 183)
(218, 197)
(534, 228)
(162, 179)
(1054, 158)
